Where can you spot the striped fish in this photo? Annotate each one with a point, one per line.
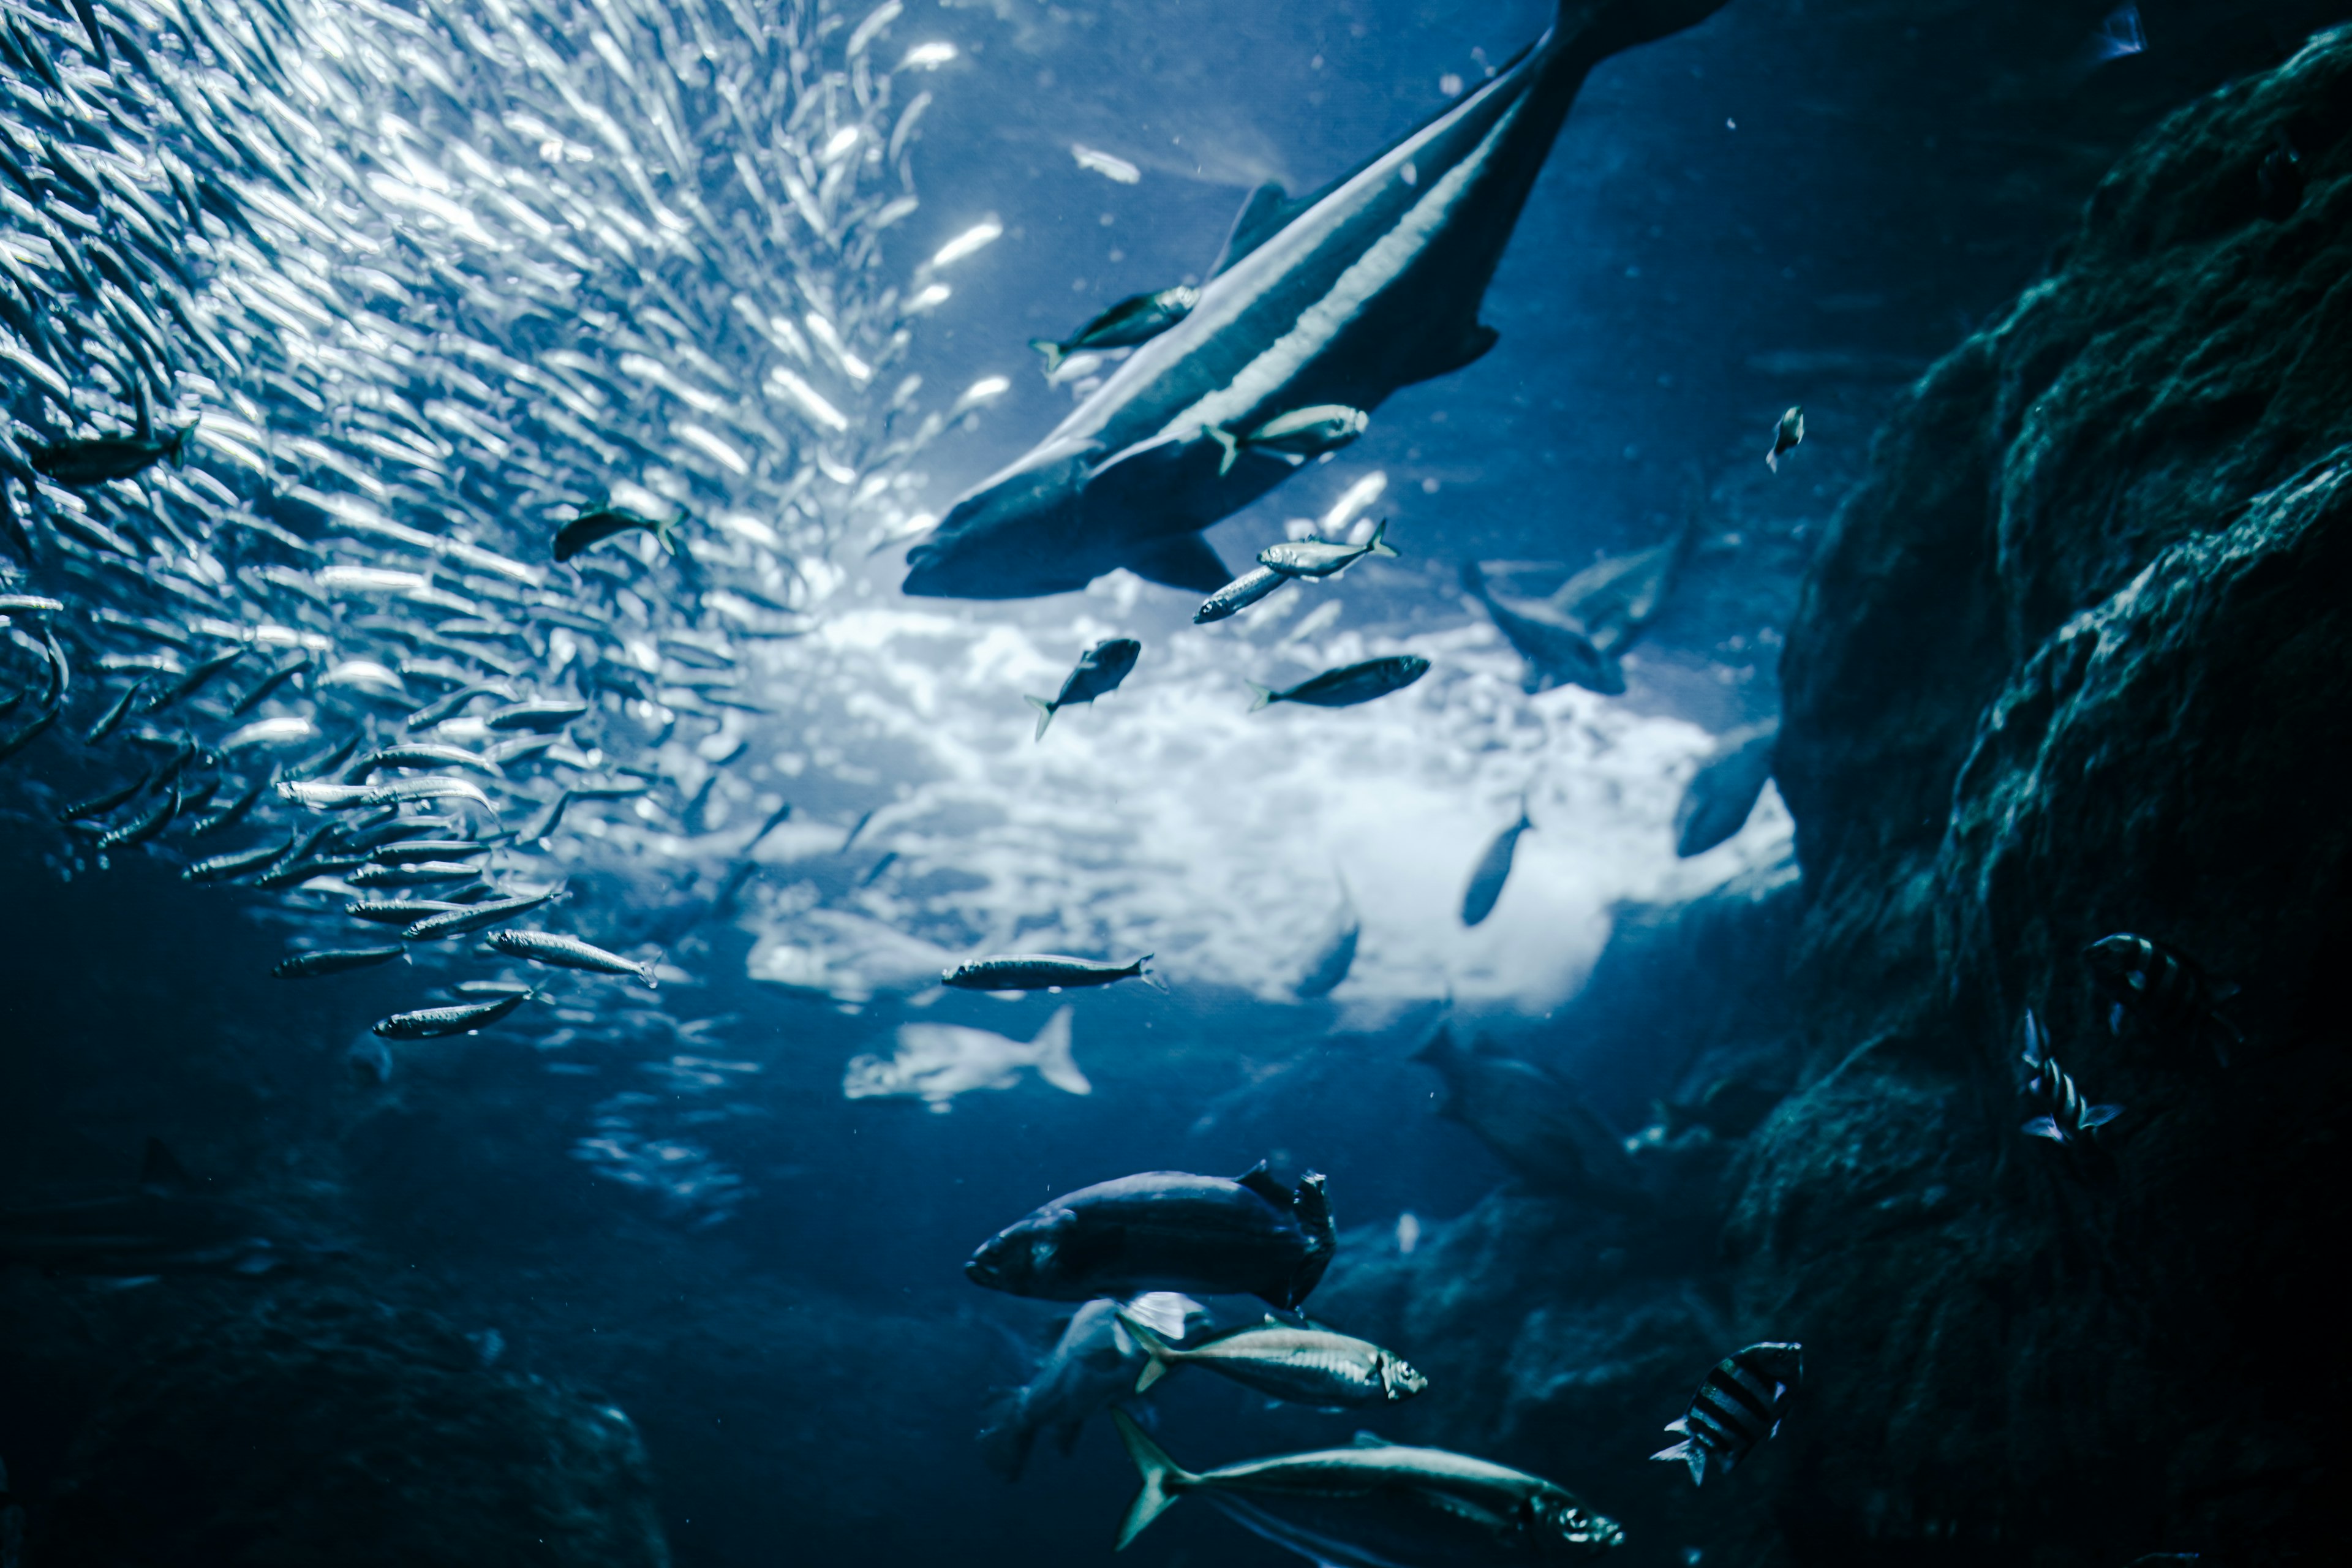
(2068, 1117)
(2164, 989)
(1737, 1405)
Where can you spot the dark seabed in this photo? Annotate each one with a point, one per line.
(483, 452)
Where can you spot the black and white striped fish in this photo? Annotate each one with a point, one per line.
(1738, 1405)
(2067, 1118)
(2162, 989)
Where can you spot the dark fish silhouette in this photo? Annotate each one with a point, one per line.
(1494, 870)
(2163, 990)
(2068, 1119)
(1335, 954)
(1138, 319)
(599, 523)
(1739, 1404)
(1043, 972)
(1350, 684)
(88, 460)
(1722, 794)
(1787, 437)
(1098, 672)
(1534, 1121)
(1166, 1230)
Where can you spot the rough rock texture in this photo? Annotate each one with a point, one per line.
(2075, 659)
(327, 1427)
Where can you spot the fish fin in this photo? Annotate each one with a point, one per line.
(1160, 1360)
(159, 1167)
(1163, 1480)
(1679, 1424)
(1690, 1453)
(1229, 446)
(1143, 972)
(2099, 1115)
(1044, 715)
(1377, 545)
(1186, 560)
(1465, 350)
(1367, 1439)
(1055, 1063)
(1264, 696)
(1262, 216)
(1055, 353)
(645, 972)
(1260, 1180)
(2045, 1126)
(1165, 1310)
(180, 444)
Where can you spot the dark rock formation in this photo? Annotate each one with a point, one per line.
(327, 1427)
(2075, 659)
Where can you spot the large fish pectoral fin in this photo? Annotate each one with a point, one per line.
(1184, 562)
(1447, 356)
(1262, 216)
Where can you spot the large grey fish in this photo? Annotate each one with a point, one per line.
(1335, 953)
(2164, 989)
(1043, 972)
(1098, 672)
(1092, 1365)
(164, 1225)
(1337, 299)
(1739, 1404)
(1138, 319)
(1722, 794)
(1558, 648)
(1350, 684)
(1303, 1364)
(1494, 870)
(432, 1023)
(567, 952)
(1536, 1123)
(1379, 1505)
(1166, 1230)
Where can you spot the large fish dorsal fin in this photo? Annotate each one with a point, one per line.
(1260, 1180)
(1262, 216)
(159, 1167)
(1185, 561)
(1369, 1441)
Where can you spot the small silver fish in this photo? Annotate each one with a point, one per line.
(337, 961)
(433, 1022)
(1320, 558)
(1302, 433)
(1302, 1363)
(566, 952)
(474, 916)
(1239, 595)
(1043, 972)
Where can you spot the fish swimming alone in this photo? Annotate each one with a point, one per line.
(1092, 1366)
(1302, 1363)
(2163, 990)
(596, 525)
(1166, 1230)
(1378, 1504)
(1334, 300)
(1787, 437)
(1043, 972)
(1350, 684)
(1739, 1404)
(1493, 870)
(2068, 1119)
(1138, 319)
(1097, 674)
(1321, 557)
(939, 1061)
(1722, 794)
(86, 461)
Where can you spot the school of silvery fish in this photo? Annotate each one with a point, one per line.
(392, 480)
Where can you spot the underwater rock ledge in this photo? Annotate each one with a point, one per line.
(2074, 659)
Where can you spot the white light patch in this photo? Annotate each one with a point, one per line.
(987, 389)
(982, 234)
(1351, 505)
(1109, 165)
(927, 56)
(1167, 818)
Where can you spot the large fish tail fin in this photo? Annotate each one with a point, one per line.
(1055, 1065)
(1264, 696)
(1163, 1480)
(1141, 968)
(1377, 545)
(1229, 446)
(1055, 353)
(1044, 714)
(1004, 1442)
(1160, 1355)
